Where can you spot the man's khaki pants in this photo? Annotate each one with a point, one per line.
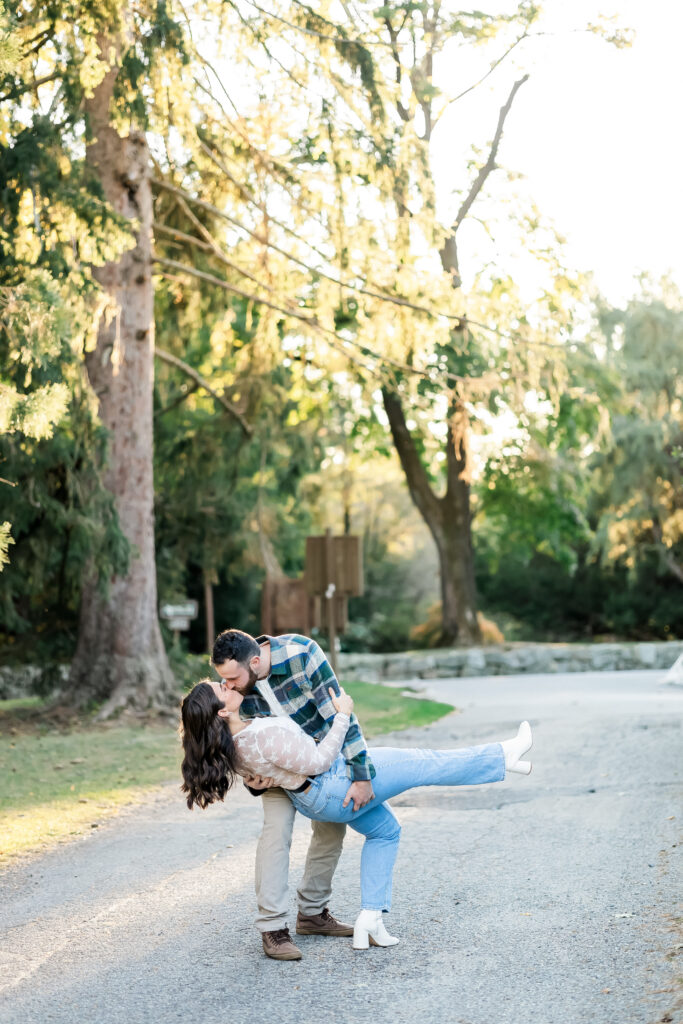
(272, 863)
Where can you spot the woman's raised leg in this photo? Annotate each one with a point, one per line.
(399, 769)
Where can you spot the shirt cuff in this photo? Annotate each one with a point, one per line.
(361, 772)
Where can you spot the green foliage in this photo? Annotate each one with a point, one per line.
(398, 592)
(309, 217)
(547, 600)
(63, 521)
(581, 524)
(10, 50)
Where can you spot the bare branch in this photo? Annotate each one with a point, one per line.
(202, 382)
(475, 85)
(449, 253)
(491, 162)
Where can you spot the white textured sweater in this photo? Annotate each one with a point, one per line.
(280, 749)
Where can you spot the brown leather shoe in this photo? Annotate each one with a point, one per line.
(278, 945)
(321, 924)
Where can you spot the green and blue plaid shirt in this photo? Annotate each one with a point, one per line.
(300, 675)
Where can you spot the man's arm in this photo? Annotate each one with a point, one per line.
(354, 748)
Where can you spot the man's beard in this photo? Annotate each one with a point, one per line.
(250, 684)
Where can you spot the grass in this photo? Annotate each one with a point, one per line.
(60, 780)
(384, 709)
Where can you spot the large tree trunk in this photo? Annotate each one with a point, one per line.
(447, 517)
(120, 656)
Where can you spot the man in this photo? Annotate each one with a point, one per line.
(289, 675)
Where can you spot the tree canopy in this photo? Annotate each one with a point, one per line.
(222, 223)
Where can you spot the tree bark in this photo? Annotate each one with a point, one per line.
(448, 519)
(120, 656)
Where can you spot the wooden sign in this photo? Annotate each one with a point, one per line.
(337, 561)
(285, 607)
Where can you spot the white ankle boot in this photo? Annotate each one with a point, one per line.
(369, 928)
(513, 750)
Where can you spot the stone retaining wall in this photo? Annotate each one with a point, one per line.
(510, 659)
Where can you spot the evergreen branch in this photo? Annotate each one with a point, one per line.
(257, 38)
(312, 32)
(202, 382)
(460, 320)
(249, 296)
(264, 158)
(182, 236)
(38, 41)
(250, 198)
(394, 300)
(336, 340)
(403, 111)
(215, 248)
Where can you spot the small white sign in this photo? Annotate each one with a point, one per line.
(178, 623)
(186, 610)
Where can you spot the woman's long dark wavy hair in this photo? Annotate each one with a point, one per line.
(210, 763)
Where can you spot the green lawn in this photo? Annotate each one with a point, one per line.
(383, 709)
(58, 784)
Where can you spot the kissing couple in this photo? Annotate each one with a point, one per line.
(279, 720)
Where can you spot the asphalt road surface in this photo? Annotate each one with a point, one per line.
(549, 898)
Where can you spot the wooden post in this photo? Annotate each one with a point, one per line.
(329, 596)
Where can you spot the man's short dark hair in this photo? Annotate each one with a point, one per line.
(234, 645)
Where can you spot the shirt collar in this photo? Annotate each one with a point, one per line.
(278, 654)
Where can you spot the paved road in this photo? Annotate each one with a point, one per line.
(548, 898)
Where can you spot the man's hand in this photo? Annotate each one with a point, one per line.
(260, 781)
(361, 794)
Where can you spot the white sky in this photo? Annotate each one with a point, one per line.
(596, 132)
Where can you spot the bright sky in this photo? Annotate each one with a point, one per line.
(595, 132)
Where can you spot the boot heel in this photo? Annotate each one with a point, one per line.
(369, 929)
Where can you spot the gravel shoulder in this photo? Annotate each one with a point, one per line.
(550, 898)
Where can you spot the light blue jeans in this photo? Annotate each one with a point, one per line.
(397, 770)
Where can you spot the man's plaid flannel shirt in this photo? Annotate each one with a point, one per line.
(300, 675)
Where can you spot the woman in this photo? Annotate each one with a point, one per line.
(219, 745)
